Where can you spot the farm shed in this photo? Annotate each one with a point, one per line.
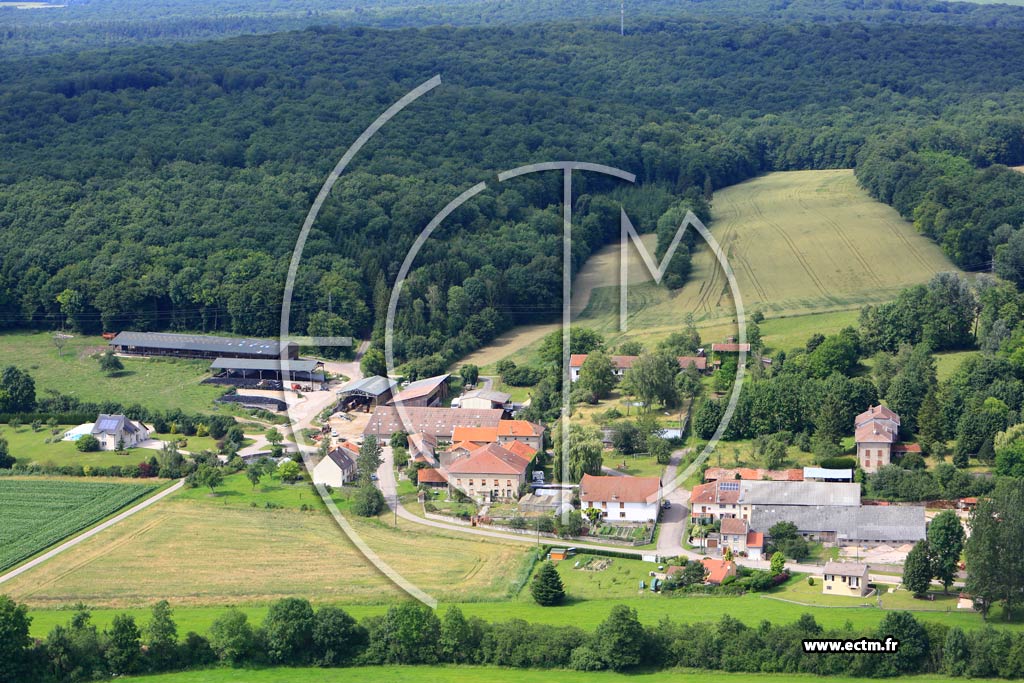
(200, 346)
(269, 368)
(369, 392)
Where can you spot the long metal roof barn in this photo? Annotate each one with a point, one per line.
(268, 364)
(368, 386)
(201, 343)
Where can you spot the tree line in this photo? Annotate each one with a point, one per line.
(294, 633)
(163, 188)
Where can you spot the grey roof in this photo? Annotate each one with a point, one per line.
(798, 493)
(845, 568)
(269, 364)
(489, 395)
(900, 523)
(823, 473)
(372, 386)
(342, 458)
(201, 342)
(113, 424)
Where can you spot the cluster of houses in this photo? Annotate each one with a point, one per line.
(824, 504)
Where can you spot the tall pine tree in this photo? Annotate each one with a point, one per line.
(547, 588)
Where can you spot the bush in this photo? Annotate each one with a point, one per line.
(88, 444)
(810, 580)
(839, 463)
(368, 501)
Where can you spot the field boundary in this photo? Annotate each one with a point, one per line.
(89, 533)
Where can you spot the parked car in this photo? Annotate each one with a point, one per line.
(666, 505)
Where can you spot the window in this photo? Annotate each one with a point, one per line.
(622, 514)
(470, 482)
(495, 482)
(622, 505)
(508, 483)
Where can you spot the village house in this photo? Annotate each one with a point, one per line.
(845, 578)
(490, 473)
(117, 431)
(337, 468)
(718, 570)
(422, 447)
(875, 431)
(736, 535)
(429, 476)
(622, 499)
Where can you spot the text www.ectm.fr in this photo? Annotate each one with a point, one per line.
(858, 645)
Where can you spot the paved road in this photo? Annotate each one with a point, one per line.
(92, 532)
(673, 520)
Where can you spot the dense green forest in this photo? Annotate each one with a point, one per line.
(80, 24)
(164, 187)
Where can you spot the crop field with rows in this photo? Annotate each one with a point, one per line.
(35, 514)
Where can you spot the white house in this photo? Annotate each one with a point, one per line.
(117, 430)
(736, 534)
(622, 499)
(336, 469)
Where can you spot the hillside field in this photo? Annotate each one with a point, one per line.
(474, 674)
(37, 513)
(161, 384)
(809, 249)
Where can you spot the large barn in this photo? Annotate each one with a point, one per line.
(200, 346)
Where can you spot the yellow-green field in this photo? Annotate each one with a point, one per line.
(808, 248)
(155, 383)
(198, 549)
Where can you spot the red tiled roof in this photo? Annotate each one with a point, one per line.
(515, 428)
(907, 448)
(875, 432)
(480, 435)
(577, 360)
(468, 446)
(429, 475)
(621, 489)
(755, 539)
(748, 473)
(420, 388)
(699, 362)
(876, 413)
(709, 493)
(490, 459)
(730, 347)
(718, 569)
(732, 525)
(348, 445)
(520, 449)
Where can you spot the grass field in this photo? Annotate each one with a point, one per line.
(155, 383)
(198, 549)
(809, 248)
(475, 674)
(37, 513)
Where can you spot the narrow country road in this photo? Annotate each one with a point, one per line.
(92, 532)
(669, 540)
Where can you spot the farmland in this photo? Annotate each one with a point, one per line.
(471, 674)
(39, 513)
(160, 384)
(809, 248)
(250, 546)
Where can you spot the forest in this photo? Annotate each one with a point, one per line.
(164, 187)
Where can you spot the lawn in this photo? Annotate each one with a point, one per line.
(194, 444)
(38, 513)
(155, 383)
(198, 549)
(474, 674)
(30, 446)
(587, 614)
(799, 590)
(636, 465)
(948, 363)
